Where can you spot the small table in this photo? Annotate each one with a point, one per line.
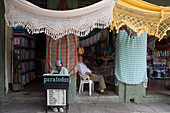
(106, 59)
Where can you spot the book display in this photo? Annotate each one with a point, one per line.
(24, 50)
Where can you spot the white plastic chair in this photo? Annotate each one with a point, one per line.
(85, 79)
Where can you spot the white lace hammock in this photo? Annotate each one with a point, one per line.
(58, 23)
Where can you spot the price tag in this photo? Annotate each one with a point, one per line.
(56, 97)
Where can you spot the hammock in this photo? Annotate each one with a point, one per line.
(58, 23)
(93, 37)
(141, 16)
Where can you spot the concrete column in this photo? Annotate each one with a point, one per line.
(134, 92)
(121, 92)
(2, 49)
(128, 93)
(72, 88)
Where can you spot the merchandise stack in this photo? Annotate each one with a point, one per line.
(159, 58)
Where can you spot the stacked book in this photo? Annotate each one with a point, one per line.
(32, 54)
(32, 65)
(24, 54)
(16, 41)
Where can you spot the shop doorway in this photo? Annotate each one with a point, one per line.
(99, 56)
(40, 57)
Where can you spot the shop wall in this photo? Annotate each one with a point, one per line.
(72, 4)
(53, 4)
(2, 48)
(159, 2)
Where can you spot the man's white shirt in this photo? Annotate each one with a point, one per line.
(83, 68)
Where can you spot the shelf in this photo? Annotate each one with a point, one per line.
(32, 59)
(32, 70)
(29, 82)
(27, 60)
(32, 38)
(22, 34)
(18, 46)
(27, 71)
(159, 78)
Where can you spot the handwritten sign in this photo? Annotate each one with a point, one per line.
(56, 97)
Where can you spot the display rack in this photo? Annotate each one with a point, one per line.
(24, 47)
(158, 68)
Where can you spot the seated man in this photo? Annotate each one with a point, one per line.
(84, 70)
(59, 69)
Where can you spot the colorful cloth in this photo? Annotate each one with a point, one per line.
(131, 57)
(64, 49)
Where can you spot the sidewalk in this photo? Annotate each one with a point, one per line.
(39, 107)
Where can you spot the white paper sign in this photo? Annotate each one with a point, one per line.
(56, 97)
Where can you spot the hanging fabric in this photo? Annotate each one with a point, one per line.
(130, 56)
(93, 37)
(64, 49)
(151, 42)
(141, 16)
(58, 23)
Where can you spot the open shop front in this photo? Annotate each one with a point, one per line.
(158, 65)
(30, 52)
(31, 58)
(98, 52)
(128, 82)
